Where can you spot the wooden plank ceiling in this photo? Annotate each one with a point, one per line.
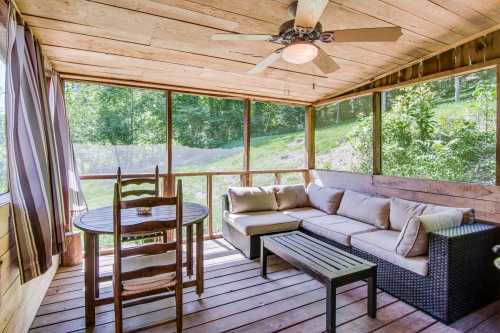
(168, 41)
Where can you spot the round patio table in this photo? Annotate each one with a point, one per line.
(100, 221)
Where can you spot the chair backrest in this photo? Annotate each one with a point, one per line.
(124, 183)
(147, 226)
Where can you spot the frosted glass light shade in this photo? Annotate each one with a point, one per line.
(299, 53)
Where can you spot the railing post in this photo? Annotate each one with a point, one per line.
(277, 178)
(209, 205)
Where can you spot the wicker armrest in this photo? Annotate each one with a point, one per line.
(464, 243)
(467, 230)
(462, 260)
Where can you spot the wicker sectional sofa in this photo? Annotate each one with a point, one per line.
(454, 276)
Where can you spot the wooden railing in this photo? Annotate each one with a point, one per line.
(168, 182)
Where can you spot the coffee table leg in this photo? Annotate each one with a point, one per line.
(372, 294)
(330, 308)
(263, 260)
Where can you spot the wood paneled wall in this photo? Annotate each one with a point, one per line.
(485, 199)
(18, 303)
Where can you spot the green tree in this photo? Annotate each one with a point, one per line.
(418, 142)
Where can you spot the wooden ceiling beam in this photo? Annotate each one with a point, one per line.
(51, 37)
(168, 41)
(180, 89)
(177, 72)
(477, 51)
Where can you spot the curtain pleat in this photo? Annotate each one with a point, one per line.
(34, 175)
(73, 199)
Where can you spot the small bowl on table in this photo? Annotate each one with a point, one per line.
(143, 211)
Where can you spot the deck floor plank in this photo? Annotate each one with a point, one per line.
(237, 299)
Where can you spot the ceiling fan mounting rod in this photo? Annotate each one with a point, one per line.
(289, 33)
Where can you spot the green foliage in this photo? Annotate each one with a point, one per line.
(361, 139)
(115, 115)
(273, 119)
(207, 122)
(343, 136)
(418, 142)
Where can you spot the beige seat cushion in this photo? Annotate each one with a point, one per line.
(136, 262)
(365, 208)
(413, 240)
(402, 211)
(326, 199)
(291, 196)
(251, 199)
(160, 281)
(467, 213)
(381, 243)
(259, 223)
(337, 228)
(304, 212)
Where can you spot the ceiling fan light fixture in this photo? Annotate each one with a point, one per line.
(299, 53)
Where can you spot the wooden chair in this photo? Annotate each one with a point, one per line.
(150, 272)
(123, 186)
(138, 181)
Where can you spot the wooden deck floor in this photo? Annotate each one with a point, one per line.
(237, 299)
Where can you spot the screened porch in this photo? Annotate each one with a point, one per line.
(306, 166)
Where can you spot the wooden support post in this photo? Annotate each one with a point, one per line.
(498, 127)
(310, 157)
(169, 180)
(246, 178)
(168, 185)
(377, 132)
(310, 149)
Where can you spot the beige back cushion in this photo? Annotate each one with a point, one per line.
(413, 239)
(467, 213)
(251, 199)
(326, 199)
(291, 196)
(402, 211)
(365, 208)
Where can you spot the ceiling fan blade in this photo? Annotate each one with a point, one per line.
(309, 12)
(267, 61)
(389, 34)
(324, 62)
(241, 37)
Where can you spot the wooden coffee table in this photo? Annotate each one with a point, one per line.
(326, 263)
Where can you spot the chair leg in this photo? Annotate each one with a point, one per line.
(118, 315)
(178, 306)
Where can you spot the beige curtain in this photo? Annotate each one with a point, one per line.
(73, 199)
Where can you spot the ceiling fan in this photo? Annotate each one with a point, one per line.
(298, 37)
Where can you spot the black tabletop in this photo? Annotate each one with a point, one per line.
(100, 221)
